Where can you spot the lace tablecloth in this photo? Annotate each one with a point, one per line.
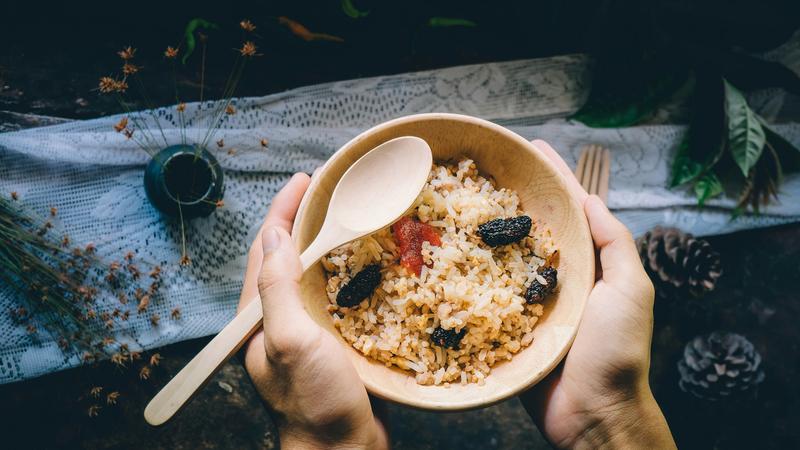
(94, 177)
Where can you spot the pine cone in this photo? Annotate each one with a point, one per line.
(720, 365)
(677, 261)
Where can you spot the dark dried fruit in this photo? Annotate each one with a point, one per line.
(447, 338)
(537, 291)
(359, 287)
(504, 231)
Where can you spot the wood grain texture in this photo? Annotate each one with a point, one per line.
(513, 162)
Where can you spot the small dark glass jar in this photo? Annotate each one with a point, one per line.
(184, 179)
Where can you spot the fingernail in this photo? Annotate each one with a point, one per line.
(270, 240)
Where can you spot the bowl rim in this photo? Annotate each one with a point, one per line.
(535, 377)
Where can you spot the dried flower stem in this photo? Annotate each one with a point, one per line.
(148, 143)
(181, 111)
(57, 285)
(183, 231)
(151, 108)
(202, 68)
(227, 95)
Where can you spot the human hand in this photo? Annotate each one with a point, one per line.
(299, 369)
(600, 395)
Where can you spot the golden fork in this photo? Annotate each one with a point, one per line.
(593, 168)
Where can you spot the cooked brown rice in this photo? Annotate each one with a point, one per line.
(466, 284)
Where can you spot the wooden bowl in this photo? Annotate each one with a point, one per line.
(514, 163)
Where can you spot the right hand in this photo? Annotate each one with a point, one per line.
(299, 369)
(600, 395)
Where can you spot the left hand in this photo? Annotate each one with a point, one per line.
(599, 396)
(300, 370)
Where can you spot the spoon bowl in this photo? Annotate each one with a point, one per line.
(374, 192)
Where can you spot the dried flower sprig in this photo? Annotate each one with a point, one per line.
(171, 52)
(155, 359)
(129, 70)
(248, 26)
(127, 53)
(119, 86)
(93, 410)
(147, 132)
(112, 398)
(248, 49)
(67, 292)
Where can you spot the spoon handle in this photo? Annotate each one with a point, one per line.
(204, 365)
(318, 248)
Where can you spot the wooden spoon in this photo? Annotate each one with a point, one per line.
(374, 192)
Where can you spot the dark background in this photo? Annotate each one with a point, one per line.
(52, 54)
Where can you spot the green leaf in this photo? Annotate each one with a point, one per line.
(684, 168)
(745, 134)
(625, 93)
(708, 186)
(438, 22)
(188, 35)
(350, 9)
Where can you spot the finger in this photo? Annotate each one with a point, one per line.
(618, 255)
(254, 359)
(281, 214)
(284, 206)
(278, 283)
(574, 187)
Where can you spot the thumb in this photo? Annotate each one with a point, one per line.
(278, 281)
(619, 258)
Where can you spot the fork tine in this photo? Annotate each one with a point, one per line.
(594, 182)
(581, 165)
(590, 165)
(605, 170)
(586, 175)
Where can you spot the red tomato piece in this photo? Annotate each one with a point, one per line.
(410, 234)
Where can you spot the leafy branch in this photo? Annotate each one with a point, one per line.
(727, 143)
(750, 144)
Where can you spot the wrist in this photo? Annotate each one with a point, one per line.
(370, 436)
(634, 422)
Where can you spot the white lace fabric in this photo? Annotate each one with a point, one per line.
(94, 176)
